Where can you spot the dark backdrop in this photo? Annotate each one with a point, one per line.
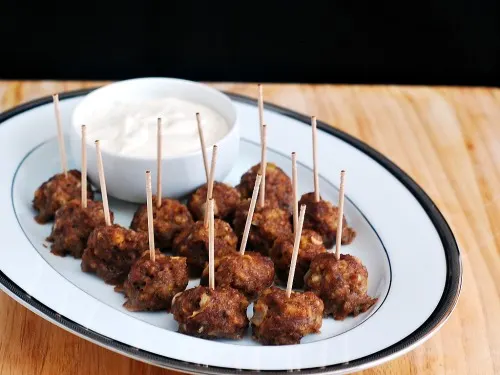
(419, 42)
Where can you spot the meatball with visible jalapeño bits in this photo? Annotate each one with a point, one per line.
(111, 251)
(151, 285)
(311, 244)
(168, 221)
(56, 192)
(282, 320)
(73, 225)
(278, 190)
(249, 273)
(226, 198)
(322, 217)
(211, 313)
(192, 243)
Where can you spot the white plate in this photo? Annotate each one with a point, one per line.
(411, 255)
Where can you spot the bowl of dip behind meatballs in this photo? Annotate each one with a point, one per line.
(124, 116)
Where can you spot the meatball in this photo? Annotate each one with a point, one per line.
(211, 313)
(322, 217)
(226, 198)
(311, 244)
(268, 224)
(192, 243)
(73, 225)
(56, 192)
(341, 284)
(168, 221)
(278, 185)
(281, 320)
(250, 273)
(111, 251)
(151, 286)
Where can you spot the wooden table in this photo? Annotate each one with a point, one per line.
(447, 139)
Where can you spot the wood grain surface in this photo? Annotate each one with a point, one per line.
(447, 139)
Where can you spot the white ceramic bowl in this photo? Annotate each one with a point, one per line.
(181, 174)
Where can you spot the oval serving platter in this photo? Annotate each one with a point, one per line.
(408, 248)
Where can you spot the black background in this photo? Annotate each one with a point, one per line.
(420, 42)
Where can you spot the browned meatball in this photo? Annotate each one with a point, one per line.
(226, 198)
(151, 286)
(73, 225)
(268, 224)
(56, 192)
(278, 185)
(322, 217)
(192, 243)
(211, 313)
(111, 251)
(250, 273)
(341, 284)
(311, 244)
(279, 320)
(168, 221)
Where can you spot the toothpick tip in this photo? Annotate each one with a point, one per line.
(96, 142)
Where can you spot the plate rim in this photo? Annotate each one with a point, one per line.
(433, 323)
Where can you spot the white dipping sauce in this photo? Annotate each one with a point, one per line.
(130, 128)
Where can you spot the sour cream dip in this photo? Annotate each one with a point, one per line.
(129, 127)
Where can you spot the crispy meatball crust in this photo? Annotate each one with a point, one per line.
(56, 192)
(73, 225)
(268, 224)
(278, 185)
(342, 284)
(311, 244)
(211, 313)
(250, 273)
(111, 251)
(151, 286)
(278, 320)
(226, 198)
(168, 221)
(192, 243)
(322, 217)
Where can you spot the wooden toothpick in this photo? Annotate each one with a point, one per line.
(295, 192)
(102, 182)
(338, 241)
(261, 108)
(158, 162)
(296, 245)
(263, 166)
(60, 136)
(203, 147)
(211, 250)
(315, 158)
(251, 210)
(210, 186)
(83, 182)
(151, 233)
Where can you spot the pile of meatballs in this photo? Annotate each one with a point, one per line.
(120, 256)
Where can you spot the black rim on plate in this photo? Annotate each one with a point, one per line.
(440, 314)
